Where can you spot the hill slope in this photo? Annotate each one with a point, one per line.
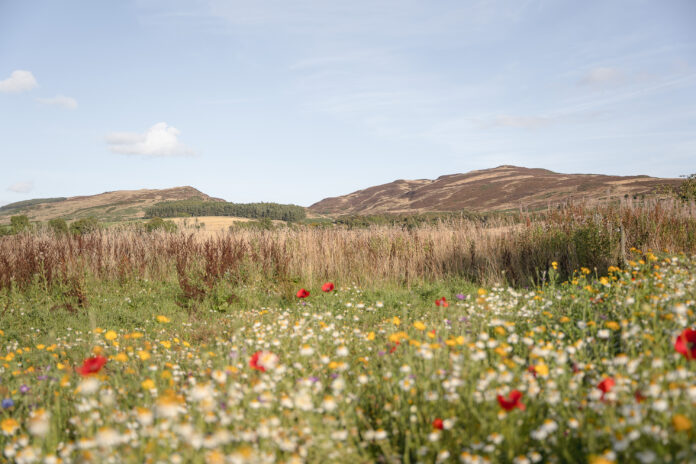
(501, 188)
(110, 206)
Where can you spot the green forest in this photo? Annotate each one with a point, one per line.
(184, 208)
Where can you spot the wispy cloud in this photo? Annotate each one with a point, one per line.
(602, 76)
(521, 122)
(59, 100)
(160, 140)
(19, 81)
(22, 187)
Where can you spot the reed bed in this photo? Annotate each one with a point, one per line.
(515, 250)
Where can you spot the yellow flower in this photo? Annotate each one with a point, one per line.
(419, 325)
(397, 337)
(110, 335)
(482, 291)
(121, 357)
(9, 426)
(613, 325)
(600, 460)
(681, 423)
(165, 343)
(371, 336)
(542, 370)
(148, 384)
(163, 319)
(143, 355)
(396, 320)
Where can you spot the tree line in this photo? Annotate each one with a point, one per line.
(185, 208)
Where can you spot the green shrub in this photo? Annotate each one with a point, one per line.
(58, 226)
(19, 223)
(687, 189)
(84, 226)
(158, 223)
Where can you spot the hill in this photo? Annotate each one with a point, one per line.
(119, 205)
(501, 188)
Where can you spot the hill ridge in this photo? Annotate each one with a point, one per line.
(115, 205)
(504, 187)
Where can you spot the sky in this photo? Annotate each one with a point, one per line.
(295, 101)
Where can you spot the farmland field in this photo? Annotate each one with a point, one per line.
(168, 354)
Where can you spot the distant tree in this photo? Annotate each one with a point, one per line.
(19, 223)
(84, 226)
(58, 226)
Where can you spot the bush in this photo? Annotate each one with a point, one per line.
(158, 223)
(19, 223)
(687, 189)
(84, 226)
(58, 226)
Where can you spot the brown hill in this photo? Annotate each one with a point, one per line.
(501, 188)
(109, 206)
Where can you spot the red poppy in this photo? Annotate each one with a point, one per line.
(302, 293)
(532, 370)
(512, 401)
(606, 385)
(91, 365)
(686, 343)
(442, 302)
(327, 287)
(254, 362)
(438, 424)
(393, 348)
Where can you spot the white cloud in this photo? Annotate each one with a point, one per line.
(22, 187)
(602, 76)
(159, 140)
(59, 100)
(19, 81)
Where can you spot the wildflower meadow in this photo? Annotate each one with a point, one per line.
(589, 365)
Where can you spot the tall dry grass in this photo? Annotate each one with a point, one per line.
(504, 249)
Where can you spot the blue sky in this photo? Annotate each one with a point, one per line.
(295, 101)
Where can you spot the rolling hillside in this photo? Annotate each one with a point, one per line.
(114, 206)
(501, 188)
